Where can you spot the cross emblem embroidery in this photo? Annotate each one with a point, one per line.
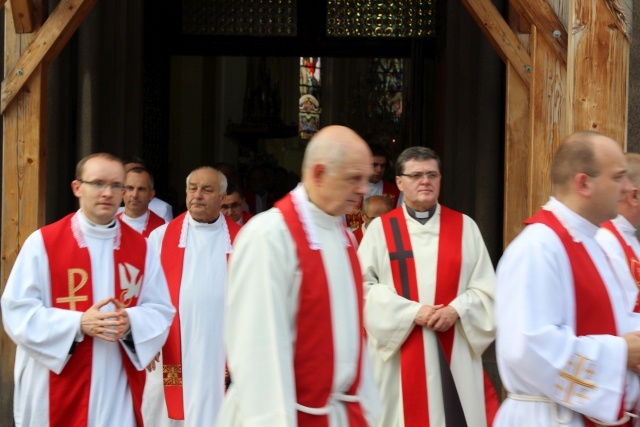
(172, 374)
(574, 380)
(72, 298)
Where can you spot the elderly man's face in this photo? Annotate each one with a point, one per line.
(344, 188)
(204, 198)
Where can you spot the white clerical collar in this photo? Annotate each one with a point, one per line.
(141, 218)
(81, 226)
(575, 224)
(311, 216)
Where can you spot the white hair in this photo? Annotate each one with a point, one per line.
(222, 178)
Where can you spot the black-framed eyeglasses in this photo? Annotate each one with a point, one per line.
(418, 176)
(102, 185)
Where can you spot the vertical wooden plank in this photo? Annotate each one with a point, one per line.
(23, 185)
(598, 70)
(548, 81)
(517, 156)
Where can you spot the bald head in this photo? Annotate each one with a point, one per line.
(336, 168)
(588, 174)
(575, 155)
(375, 206)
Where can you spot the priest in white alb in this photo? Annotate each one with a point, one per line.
(618, 236)
(188, 385)
(88, 306)
(294, 332)
(429, 305)
(568, 346)
(138, 192)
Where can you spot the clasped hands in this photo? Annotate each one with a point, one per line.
(437, 317)
(108, 325)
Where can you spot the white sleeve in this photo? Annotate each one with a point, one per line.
(44, 332)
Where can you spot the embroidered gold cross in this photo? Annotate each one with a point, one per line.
(574, 379)
(172, 374)
(72, 298)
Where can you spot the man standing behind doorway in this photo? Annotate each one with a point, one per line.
(138, 192)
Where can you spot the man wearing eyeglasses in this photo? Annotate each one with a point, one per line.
(138, 192)
(233, 205)
(88, 306)
(429, 304)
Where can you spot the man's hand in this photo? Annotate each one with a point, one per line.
(98, 324)
(123, 318)
(152, 365)
(443, 319)
(633, 350)
(425, 313)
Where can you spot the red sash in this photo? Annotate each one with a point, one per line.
(172, 260)
(590, 291)
(72, 289)
(314, 353)
(630, 254)
(153, 221)
(412, 367)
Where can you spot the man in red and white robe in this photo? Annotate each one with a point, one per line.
(293, 324)
(435, 297)
(88, 307)
(138, 192)
(188, 386)
(567, 345)
(618, 236)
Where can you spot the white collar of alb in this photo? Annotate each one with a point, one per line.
(185, 231)
(300, 202)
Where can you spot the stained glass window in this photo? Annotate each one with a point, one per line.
(309, 104)
(388, 84)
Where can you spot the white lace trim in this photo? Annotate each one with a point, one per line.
(299, 197)
(574, 234)
(185, 231)
(77, 232)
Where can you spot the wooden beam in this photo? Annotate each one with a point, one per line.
(501, 37)
(25, 15)
(517, 168)
(548, 115)
(50, 39)
(597, 71)
(622, 11)
(540, 14)
(23, 183)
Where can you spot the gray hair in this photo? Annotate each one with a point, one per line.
(223, 179)
(418, 154)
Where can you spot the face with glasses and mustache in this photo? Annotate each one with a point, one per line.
(100, 190)
(420, 183)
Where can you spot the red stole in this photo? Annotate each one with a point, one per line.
(72, 289)
(153, 221)
(632, 259)
(172, 260)
(590, 291)
(313, 353)
(412, 357)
